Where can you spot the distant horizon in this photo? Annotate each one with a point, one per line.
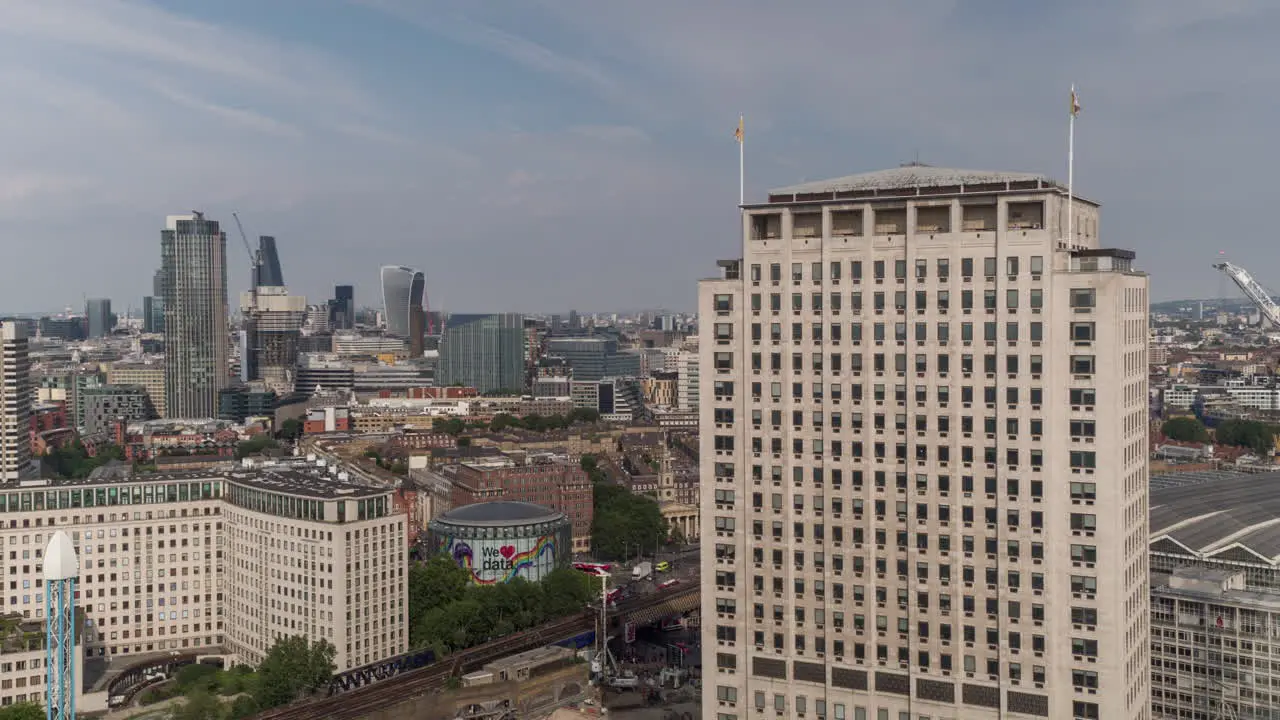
(35, 315)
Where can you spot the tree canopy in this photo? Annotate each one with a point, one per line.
(447, 612)
(293, 668)
(199, 704)
(1185, 429)
(73, 461)
(290, 429)
(591, 464)
(540, 423)
(254, 445)
(1257, 436)
(624, 520)
(22, 711)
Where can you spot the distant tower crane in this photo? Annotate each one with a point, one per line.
(255, 259)
(1252, 290)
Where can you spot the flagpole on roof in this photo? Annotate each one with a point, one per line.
(1071, 167)
(742, 161)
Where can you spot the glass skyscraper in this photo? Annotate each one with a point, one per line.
(193, 255)
(483, 351)
(402, 288)
(97, 312)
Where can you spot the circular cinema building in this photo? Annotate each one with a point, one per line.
(499, 541)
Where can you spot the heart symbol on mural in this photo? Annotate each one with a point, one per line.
(507, 551)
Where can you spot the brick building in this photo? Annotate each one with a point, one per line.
(555, 482)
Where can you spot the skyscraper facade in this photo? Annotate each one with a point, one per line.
(98, 320)
(153, 305)
(272, 321)
(924, 455)
(483, 351)
(266, 268)
(342, 308)
(16, 393)
(402, 288)
(193, 251)
(272, 325)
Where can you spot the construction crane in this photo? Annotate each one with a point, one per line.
(1257, 294)
(244, 238)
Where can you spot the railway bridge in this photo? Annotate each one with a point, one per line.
(377, 689)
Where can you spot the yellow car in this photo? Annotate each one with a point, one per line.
(663, 566)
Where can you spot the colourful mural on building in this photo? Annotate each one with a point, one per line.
(498, 561)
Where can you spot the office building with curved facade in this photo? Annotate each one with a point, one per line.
(229, 561)
(403, 289)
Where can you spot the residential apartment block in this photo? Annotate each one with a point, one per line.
(16, 397)
(148, 375)
(924, 494)
(230, 561)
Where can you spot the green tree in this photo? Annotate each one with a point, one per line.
(432, 585)
(293, 668)
(254, 445)
(1185, 429)
(72, 460)
(22, 711)
(447, 612)
(591, 464)
(291, 429)
(624, 520)
(1256, 436)
(198, 705)
(197, 676)
(243, 707)
(452, 426)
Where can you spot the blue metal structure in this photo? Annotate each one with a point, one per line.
(61, 568)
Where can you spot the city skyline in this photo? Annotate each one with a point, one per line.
(327, 148)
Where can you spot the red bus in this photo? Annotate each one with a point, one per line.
(597, 569)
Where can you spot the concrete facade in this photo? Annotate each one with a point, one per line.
(16, 397)
(106, 404)
(148, 375)
(175, 562)
(923, 413)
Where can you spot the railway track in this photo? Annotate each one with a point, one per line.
(364, 701)
(361, 702)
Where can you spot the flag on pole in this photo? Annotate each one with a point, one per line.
(737, 134)
(1075, 102)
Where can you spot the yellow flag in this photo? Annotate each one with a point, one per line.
(1075, 103)
(737, 134)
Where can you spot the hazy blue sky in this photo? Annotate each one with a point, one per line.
(541, 155)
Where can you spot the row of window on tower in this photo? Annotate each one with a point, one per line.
(941, 270)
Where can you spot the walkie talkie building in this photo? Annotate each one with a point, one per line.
(402, 288)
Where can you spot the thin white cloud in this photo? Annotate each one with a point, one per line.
(143, 32)
(491, 37)
(22, 188)
(239, 117)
